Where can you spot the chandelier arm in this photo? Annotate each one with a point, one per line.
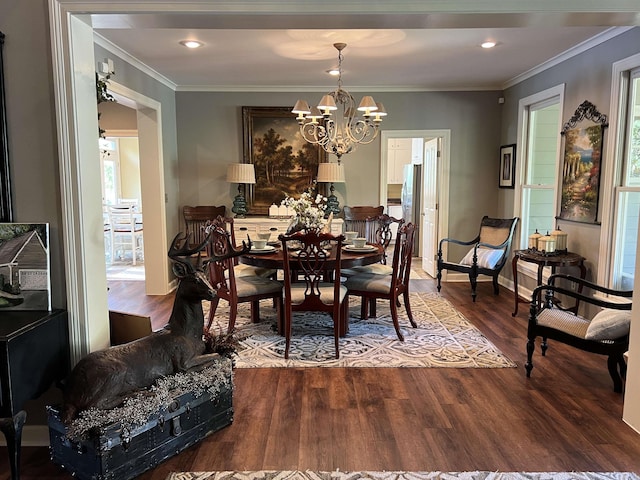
(342, 130)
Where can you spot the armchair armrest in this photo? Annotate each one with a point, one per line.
(457, 242)
(551, 291)
(591, 285)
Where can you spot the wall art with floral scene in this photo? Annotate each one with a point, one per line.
(285, 164)
(582, 164)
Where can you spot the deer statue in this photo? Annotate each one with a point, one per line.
(102, 379)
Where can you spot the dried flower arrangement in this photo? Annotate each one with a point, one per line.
(136, 409)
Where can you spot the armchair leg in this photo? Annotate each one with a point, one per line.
(544, 346)
(613, 361)
(496, 290)
(474, 283)
(530, 348)
(439, 277)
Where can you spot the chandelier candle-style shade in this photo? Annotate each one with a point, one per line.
(331, 173)
(240, 173)
(333, 124)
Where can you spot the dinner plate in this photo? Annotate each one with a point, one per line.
(267, 249)
(366, 248)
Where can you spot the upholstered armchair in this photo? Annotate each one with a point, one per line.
(607, 333)
(488, 254)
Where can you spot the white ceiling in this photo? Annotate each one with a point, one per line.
(384, 52)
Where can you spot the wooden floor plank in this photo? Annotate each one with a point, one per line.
(565, 417)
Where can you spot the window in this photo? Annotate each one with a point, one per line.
(539, 120)
(627, 191)
(110, 172)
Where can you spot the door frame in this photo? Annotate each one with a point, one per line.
(444, 170)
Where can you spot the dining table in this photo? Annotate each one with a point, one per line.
(273, 258)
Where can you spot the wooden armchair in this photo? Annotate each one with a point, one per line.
(195, 218)
(489, 252)
(607, 333)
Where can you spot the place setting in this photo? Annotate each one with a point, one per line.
(260, 245)
(359, 244)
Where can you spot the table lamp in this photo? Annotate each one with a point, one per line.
(240, 173)
(331, 173)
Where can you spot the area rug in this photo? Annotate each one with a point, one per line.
(309, 475)
(444, 338)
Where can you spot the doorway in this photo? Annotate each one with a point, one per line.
(433, 194)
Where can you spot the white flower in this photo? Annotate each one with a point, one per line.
(308, 212)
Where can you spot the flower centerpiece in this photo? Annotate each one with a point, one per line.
(308, 211)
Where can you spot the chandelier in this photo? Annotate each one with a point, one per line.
(334, 124)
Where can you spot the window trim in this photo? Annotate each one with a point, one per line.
(613, 169)
(521, 152)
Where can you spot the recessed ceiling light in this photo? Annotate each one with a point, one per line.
(488, 44)
(191, 43)
(334, 71)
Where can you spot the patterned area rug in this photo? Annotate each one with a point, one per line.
(444, 338)
(309, 475)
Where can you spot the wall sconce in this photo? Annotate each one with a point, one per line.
(331, 173)
(240, 173)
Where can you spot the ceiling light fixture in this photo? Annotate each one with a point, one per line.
(191, 43)
(340, 132)
(488, 44)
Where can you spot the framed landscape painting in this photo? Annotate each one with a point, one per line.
(285, 164)
(24, 267)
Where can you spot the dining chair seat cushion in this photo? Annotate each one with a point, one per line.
(369, 282)
(254, 285)
(487, 257)
(374, 269)
(609, 324)
(243, 270)
(325, 289)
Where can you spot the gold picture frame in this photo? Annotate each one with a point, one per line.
(285, 164)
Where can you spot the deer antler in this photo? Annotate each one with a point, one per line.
(230, 249)
(180, 252)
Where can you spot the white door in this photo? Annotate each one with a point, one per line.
(430, 206)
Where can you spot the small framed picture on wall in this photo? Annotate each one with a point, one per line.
(507, 166)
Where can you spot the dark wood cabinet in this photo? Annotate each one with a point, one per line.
(34, 353)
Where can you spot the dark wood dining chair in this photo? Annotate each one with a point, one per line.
(355, 218)
(307, 288)
(195, 218)
(378, 232)
(233, 289)
(240, 269)
(372, 286)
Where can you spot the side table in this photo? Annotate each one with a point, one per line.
(565, 259)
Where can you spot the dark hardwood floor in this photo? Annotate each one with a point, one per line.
(566, 417)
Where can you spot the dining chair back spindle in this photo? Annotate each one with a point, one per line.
(355, 218)
(306, 285)
(126, 231)
(195, 218)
